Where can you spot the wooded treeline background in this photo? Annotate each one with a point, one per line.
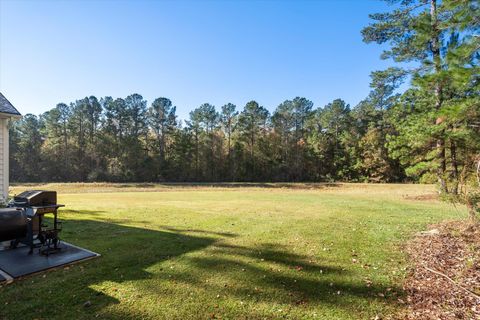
(430, 132)
(125, 140)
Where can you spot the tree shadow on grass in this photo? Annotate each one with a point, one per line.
(269, 273)
(99, 215)
(126, 254)
(266, 273)
(205, 232)
(81, 212)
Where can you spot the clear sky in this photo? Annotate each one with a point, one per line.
(189, 51)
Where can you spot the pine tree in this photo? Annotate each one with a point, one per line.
(418, 31)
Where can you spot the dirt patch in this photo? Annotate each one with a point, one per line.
(444, 282)
(424, 197)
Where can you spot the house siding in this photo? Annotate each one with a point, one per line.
(4, 157)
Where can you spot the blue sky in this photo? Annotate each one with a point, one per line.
(189, 51)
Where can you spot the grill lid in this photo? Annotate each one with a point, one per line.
(35, 198)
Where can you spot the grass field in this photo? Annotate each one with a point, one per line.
(229, 252)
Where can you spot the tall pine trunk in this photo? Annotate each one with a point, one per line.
(454, 173)
(65, 152)
(252, 155)
(229, 156)
(440, 141)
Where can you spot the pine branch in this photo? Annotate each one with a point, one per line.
(452, 281)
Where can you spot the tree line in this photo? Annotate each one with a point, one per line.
(125, 139)
(429, 132)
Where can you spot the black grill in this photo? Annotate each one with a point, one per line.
(23, 221)
(13, 224)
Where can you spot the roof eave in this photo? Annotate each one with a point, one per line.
(4, 115)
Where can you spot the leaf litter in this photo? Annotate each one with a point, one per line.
(444, 280)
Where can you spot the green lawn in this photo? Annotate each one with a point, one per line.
(229, 252)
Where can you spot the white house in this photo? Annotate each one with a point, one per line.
(7, 112)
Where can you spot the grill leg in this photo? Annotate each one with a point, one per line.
(14, 244)
(30, 235)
